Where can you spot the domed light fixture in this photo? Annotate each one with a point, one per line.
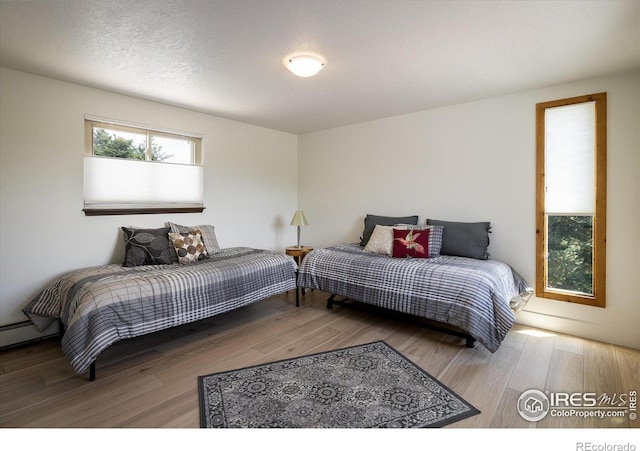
(304, 65)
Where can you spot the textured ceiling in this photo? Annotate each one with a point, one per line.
(384, 57)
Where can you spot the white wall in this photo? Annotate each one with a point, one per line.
(476, 162)
(250, 183)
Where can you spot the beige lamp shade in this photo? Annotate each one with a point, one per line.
(299, 219)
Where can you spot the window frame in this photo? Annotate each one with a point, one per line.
(598, 296)
(93, 121)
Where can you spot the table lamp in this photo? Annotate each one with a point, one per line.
(299, 220)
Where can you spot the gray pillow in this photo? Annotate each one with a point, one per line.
(146, 246)
(464, 239)
(371, 221)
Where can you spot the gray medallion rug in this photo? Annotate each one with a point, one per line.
(365, 386)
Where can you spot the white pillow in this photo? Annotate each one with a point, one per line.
(381, 241)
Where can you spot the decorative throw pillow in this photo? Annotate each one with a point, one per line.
(464, 239)
(370, 222)
(435, 237)
(381, 240)
(189, 246)
(146, 246)
(208, 236)
(411, 243)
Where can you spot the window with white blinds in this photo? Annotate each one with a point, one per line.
(571, 199)
(133, 170)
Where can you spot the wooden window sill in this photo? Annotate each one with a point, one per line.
(140, 211)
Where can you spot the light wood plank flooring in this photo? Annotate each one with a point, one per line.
(150, 381)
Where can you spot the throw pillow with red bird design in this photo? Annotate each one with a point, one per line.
(411, 243)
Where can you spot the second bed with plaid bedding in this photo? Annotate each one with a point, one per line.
(472, 295)
(101, 305)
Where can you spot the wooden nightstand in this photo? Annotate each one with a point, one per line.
(298, 253)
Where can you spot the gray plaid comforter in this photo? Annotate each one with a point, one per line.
(470, 294)
(101, 305)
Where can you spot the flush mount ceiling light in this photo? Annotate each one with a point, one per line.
(304, 65)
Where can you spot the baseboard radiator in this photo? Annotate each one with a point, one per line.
(24, 332)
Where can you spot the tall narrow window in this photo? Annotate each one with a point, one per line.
(571, 196)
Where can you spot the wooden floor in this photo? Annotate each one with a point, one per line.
(150, 381)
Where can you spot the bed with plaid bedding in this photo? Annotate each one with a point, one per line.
(469, 294)
(104, 304)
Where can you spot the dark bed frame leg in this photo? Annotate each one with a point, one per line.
(471, 342)
(92, 371)
(330, 301)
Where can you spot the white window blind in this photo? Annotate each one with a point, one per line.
(570, 159)
(134, 169)
(134, 184)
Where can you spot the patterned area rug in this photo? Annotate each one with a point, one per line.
(365, 386)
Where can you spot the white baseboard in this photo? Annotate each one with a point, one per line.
(16, 334)
(592, 331)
